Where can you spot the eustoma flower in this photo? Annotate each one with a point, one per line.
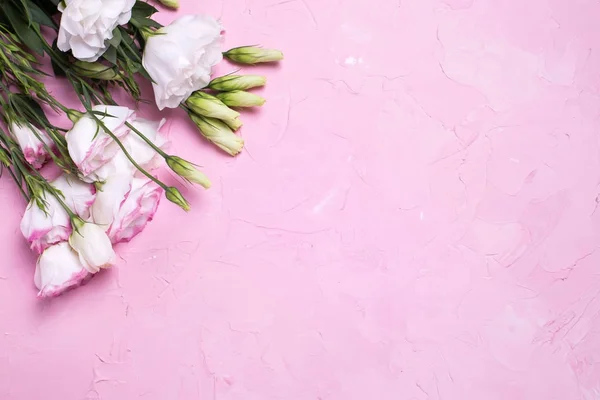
(33, 142)
(90, 146)
(126, 199)
(57, 270)
(136, 210)
(92, 244)
(43, 228)
(179, 58)
(109, 190)
(87, 25)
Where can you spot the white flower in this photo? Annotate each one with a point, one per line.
(89, 145)
(79, 196)
(180, 56)
(86, 25)
(136, 211)
(34, 149)
(141, 152)
(93, 246)
(57, 270)
(43, 229)
(109, 197)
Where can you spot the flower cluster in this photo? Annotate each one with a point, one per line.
(108, 157)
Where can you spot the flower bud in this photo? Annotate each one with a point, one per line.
(240, 98)
(96, 70)
(207, 105)
(219, 134)
(237, 82)
(174, 196)
(74, 115)
(170, 3)
(253, 55)
(34, 143)
(187, 171)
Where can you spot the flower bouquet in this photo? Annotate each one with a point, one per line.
(107, 189)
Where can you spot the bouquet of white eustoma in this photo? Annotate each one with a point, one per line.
(108, 188)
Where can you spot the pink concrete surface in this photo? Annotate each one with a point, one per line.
(414, 217)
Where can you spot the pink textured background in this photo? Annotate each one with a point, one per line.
(414, 218)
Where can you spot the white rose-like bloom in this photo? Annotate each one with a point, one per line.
(180, 56)
(118, 174)
(86, 25)
(79, 196)
(141, 152)
(43, 229)
(57, 270)
(93, 246)
(113, 192)
(89, 145)
(133, 214)
(34, 149)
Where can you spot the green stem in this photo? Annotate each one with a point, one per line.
(148, 141)
(129, 157)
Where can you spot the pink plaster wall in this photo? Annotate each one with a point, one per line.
(415, 217)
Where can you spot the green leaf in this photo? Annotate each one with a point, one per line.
(25, 31)
(86, 97)
(142, 9)
(26, 10)
(116, 39)
(29, 109)
(39, 16)
(110, 55)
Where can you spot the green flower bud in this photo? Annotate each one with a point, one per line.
(207, 105)
(240, 98)
(74, 115)
(170, 3)
(253, 55)
(237, 82)
(96, 70)
(219, 134)
(174, 196)
(187, 171)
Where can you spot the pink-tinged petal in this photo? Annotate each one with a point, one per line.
(136, 211)
(111, 195)
(89, 145)
(33, 142)
(58, 269)
(43, 229)
(78, 195)
(143, 154)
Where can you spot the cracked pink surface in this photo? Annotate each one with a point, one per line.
(414, 217)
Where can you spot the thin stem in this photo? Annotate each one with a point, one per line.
(14, 177)
(135, 164)
(148, 141)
